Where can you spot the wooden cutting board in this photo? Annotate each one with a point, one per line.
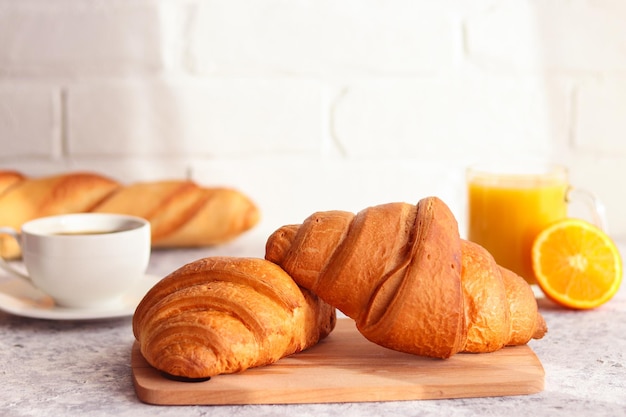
(345, 367)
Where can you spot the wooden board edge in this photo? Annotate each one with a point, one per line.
(152, 387)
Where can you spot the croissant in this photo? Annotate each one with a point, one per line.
(181, 213)
(409, 281)
(500, 307)
(223, 315)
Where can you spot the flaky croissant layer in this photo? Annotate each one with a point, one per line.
(410, 282)
(223, 315)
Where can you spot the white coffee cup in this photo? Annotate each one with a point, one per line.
(86, 260)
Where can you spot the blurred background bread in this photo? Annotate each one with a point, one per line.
(181, 213)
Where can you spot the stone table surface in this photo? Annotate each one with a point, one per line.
(66, 368)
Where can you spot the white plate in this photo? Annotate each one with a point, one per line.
(22, 299)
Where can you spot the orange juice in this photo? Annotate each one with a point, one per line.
(507, 211)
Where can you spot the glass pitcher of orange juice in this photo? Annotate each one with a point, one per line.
(508, 205)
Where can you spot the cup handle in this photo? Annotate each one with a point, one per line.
(595, 206)
(3, 262)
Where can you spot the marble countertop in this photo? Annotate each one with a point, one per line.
(66, 368)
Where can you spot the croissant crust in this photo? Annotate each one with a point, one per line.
(222, 315)
(403, 273)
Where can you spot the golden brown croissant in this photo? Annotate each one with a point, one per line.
(500, 307)
(223, 315)
(526, 321)
(181, 213)
(405, 276)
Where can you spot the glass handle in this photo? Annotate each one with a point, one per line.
(592, 202)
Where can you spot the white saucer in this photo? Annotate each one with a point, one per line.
(22, 299)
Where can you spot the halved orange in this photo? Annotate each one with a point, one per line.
(576, 264)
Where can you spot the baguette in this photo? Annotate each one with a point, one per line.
(8, 179)
(29, 199)
(181, 213)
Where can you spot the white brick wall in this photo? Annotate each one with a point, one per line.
(77, 38)
(213, 117)
(30, 120)
(451, 118)
(600, 127)
(316, 104)
(322, 38)
(562, 36)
